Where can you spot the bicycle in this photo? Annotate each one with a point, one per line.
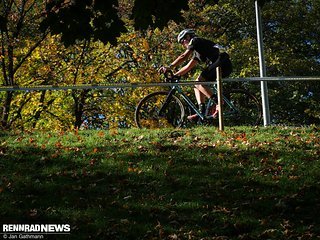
(165, 109)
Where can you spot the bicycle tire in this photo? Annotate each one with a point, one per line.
(147, 112)
(249, 109)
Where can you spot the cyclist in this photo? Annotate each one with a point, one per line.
(201, 51)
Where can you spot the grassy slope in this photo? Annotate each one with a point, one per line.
(255, 183)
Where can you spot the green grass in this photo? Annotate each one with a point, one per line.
(243, 183)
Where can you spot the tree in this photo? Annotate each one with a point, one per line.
(19, 23)
(290, 50)
(100, 19)
(291, 47)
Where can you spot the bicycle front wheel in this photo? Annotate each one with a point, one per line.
(243, 108)
(156, 111)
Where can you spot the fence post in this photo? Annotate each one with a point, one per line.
(220, 102)
(264, 86)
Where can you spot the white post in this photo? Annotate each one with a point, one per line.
(264, 87)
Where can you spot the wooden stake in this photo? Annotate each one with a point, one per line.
(220, 100)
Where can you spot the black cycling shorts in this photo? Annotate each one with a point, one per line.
(226, 68)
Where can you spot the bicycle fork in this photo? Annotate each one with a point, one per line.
(167, 101)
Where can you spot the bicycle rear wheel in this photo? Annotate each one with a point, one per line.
(147, 112)
(244, 108)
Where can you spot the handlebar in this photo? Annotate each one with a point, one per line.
(169, 74)
(170, 77)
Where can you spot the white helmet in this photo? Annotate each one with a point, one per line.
(185, 32)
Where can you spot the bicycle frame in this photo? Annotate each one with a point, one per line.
(190, 103)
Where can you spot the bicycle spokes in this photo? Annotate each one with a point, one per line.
(158, 111)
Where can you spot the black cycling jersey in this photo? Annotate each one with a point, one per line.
(204, 50)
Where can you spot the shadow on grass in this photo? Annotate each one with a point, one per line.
(159, 192)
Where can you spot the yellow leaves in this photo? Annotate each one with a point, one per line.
(52, 63)
(145, 44)
(113, 132)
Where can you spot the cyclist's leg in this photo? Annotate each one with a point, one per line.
(198, 91)
(206, 75)
(204, 90)
(200, 97)
(209, 75)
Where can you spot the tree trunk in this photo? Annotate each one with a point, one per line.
(79, 103)
(6, 110)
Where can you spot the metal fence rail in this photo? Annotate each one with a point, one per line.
(145, 85)
(219, 81)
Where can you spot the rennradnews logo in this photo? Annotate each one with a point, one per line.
(36, 228)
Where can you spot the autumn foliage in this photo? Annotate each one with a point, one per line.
(32, 54)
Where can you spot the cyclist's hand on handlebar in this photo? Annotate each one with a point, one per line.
(168, 73)
(163, 69)
(171, 77)
(176, 77)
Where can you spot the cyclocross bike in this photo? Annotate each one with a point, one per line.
(165, 109)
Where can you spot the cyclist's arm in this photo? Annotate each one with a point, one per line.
(191, 64)
(184, 56)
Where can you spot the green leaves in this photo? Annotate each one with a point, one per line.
(291, 46)
(3, 23)
(157, 13)
(99, 19)
(262, 2)
(82, 20)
